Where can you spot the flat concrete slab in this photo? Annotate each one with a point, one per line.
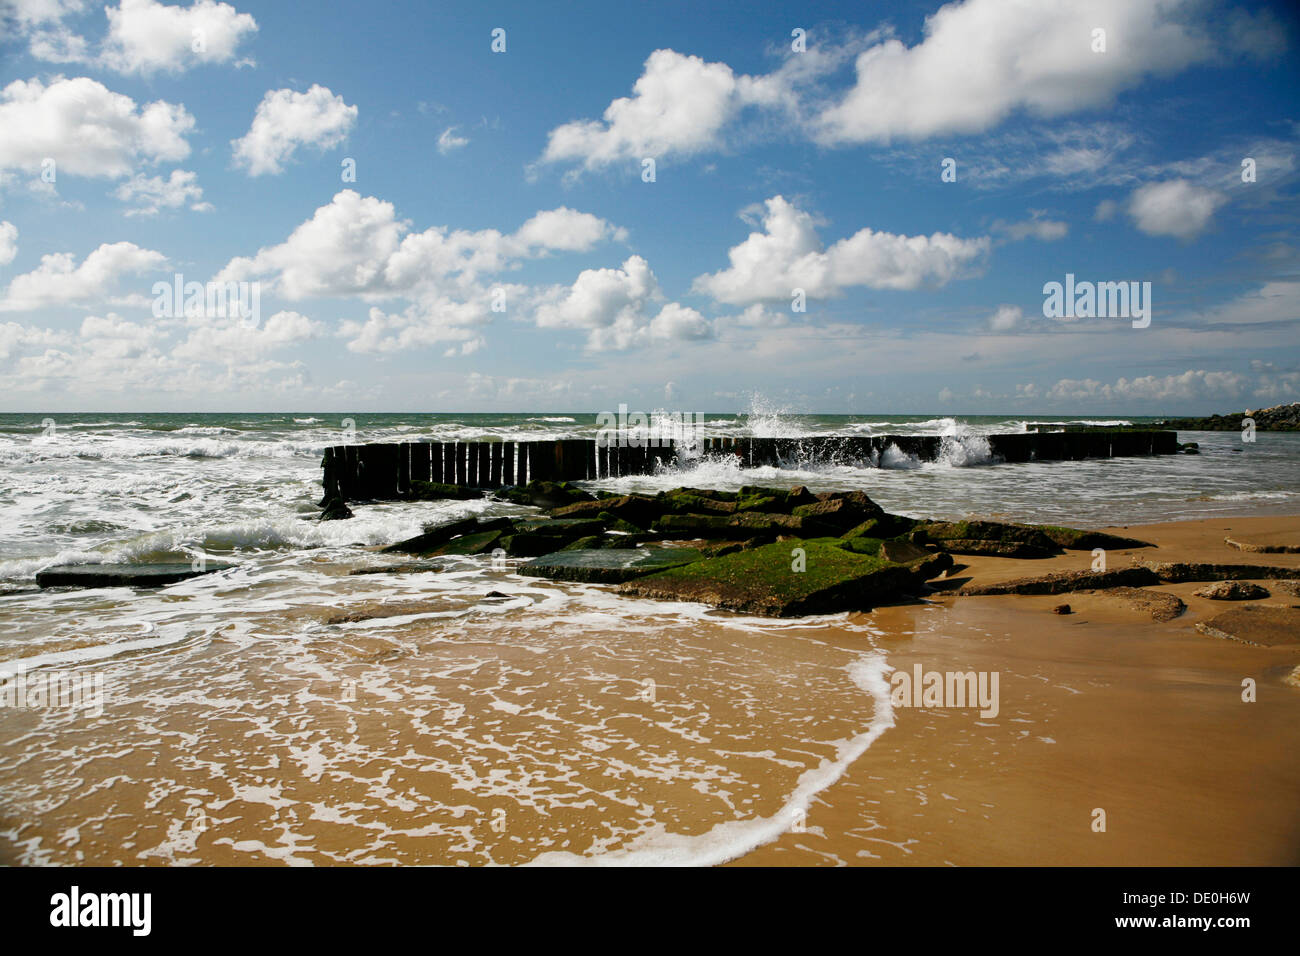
(120, 575)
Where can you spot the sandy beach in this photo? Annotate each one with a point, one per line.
(1102, 708)
(443, 727)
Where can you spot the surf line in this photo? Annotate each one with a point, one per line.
(734, 838)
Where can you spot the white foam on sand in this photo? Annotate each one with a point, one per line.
(734, 838)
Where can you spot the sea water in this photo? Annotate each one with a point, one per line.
(269, 714)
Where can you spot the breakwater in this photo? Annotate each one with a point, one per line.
(388, 470)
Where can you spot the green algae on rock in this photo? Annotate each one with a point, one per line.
(608, 565)
(776, 581)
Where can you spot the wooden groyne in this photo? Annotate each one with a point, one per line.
(385, 471)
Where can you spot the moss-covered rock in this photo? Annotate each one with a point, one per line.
(335, 509)
(480, 542)
(595, 541)
(840, 512)
(1072, 539)
(608, 565)
(560, 527)
(749, 524)
(698, 504)
(436, 491)
(522, 544)
(545, 494)
(903, 552)
(634, 509)
(991, 538)
(709, 493)
(767, 581)
(435, 536)
(883, 525)
(613, 523)
(862, 544)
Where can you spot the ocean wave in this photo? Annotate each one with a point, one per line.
(1247, 496)
(964, 451)
(896, 459)
(1081, 421)
(206, 430)
(157, 448)
(224, 540)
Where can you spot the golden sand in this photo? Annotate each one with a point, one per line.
(1146, 721)
(568, 727)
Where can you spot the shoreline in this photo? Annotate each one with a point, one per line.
(1102, 708)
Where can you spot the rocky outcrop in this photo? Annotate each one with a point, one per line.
(435, 536)
(1232, 591)
(608, 565)
(545, 494)
(750, 524)
(772, 551)
(1063, 582)
(335, 510)
(1262, 624)
(1256, 548)
(1279, 418)
(1161, 606)
(409, 567)
(1072, 539)
(437, 491)
(776, 581)
(1178, 572)
(122, 575)
(991, 538)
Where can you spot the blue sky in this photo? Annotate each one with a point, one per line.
(139, 141)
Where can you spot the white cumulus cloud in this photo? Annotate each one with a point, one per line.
(59, 280)
(679, 105)
(788, 255)
(1175, 208)
(619, 309)
(982, 60)
(286, 120)
(87, 129)
(150, 194)
(8, 242)
(147, 37)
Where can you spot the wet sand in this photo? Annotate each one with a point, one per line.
(466, 732)
(1103, 708)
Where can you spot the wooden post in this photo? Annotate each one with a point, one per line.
(508, 463)
(482, 478)
(449, 463)
(421, 462)
(435, 461)
(403, 483)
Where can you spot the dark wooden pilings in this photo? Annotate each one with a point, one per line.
(388, 471)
